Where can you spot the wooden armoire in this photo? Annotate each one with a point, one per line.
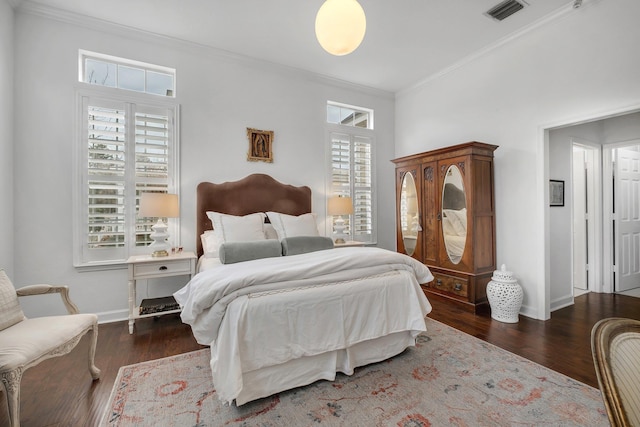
(446, 219)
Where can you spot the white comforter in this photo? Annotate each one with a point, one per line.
(205, 298)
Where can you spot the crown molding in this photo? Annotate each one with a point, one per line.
(560, 12)
(79, 20)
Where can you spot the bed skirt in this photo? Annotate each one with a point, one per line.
(306, 370)
(272, 342)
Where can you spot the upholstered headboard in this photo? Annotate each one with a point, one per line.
(254, 193)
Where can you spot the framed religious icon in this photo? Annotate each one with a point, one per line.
(260, 145)
(556, 192)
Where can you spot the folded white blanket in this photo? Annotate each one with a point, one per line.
(205, 298)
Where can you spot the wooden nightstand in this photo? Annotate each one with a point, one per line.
(148, 267)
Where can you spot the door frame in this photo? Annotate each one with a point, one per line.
(543, 291)
(595, 239)
(607, 208)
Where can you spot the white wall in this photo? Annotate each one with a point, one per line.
(220, 97)
(621, 129)
(581, 65)
(6, 137)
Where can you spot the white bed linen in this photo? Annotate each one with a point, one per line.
(306, 370)
(206, 263)
(306, 317)
(322, 327)
(205, 298)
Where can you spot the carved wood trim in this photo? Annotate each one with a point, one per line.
(461, 167)
(428, 174)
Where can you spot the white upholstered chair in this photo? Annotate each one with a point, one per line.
(26, 342)
(615, 345)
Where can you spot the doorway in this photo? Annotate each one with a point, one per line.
(584, 213)
(584, 255)
(623, 161)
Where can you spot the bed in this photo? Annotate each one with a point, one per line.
(275, 322)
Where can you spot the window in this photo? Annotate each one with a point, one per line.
(349, 116)
(124, 148)
(110, 71)
(351, 166)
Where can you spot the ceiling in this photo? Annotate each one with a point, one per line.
(407, 41)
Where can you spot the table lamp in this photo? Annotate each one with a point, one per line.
(338, 206)
(159, 205)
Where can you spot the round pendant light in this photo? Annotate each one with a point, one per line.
(340, 26)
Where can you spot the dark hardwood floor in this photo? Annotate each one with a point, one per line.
(59, 391)
(562, 343)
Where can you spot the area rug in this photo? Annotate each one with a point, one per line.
(449, 379)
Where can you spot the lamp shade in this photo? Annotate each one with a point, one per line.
(159, 205)
(340, 206)
(340, 26)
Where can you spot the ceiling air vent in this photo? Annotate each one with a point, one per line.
(505, 9)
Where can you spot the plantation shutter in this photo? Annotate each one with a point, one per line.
(152, 165)
(106, 171)
(341, 165)
(128, 149)
(362, 206)
(351, 175)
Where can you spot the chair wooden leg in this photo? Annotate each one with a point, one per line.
(11, 382)
(95, 372)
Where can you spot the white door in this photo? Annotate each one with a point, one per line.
(627, 218)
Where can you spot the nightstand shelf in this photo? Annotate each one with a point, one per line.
(145, 267)
(158, 313)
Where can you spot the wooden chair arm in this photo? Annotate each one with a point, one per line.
(49, 289)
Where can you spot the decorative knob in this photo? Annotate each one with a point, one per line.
(503, 275)
(505, 296)
(163, 268)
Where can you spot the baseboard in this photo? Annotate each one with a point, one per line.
(559, 303)
(528, 311)
(113, 316)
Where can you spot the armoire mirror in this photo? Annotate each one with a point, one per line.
(409, 214)
(454, 214)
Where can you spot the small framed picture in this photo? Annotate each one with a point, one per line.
(260, 145)
(556, 192)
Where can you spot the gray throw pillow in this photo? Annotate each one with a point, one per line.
(232, 252)
(303, 244)
(10, 311)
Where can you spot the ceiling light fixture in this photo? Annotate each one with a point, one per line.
(340, 26)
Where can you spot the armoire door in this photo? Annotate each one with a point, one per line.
(455, 212)
(430, 223)
(409, 212)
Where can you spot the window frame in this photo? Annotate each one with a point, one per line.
(353, 132)
(132, 100)
(129, 63)
(355, 109)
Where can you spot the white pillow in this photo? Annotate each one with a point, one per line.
(270, 232)
(292, 226)
(232, 228)
(210, 244)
